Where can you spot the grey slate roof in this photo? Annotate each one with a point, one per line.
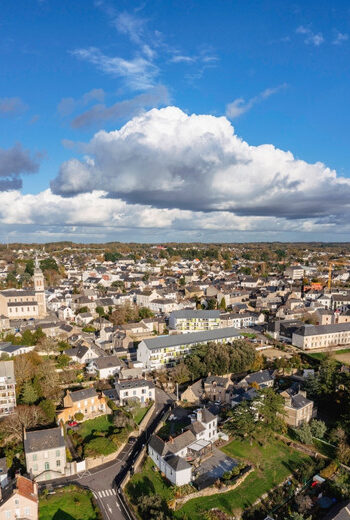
(191, 338)
(181, 441)
(178, 463)
(86, 393)
(41, 440)
(158, 445)
(124, 384)
(190, 313)
(108, 362)
(316, 330)
(259, 377)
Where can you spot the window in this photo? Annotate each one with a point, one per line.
(58, 453)
(16, 501)
(46, 454)
(35, 456)
(47, 466)
(27, 511)
(35, 467)
(58, 463)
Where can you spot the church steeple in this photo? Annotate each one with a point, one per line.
(39, 287)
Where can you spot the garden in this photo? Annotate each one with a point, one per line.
(102, 435)
(68, 503)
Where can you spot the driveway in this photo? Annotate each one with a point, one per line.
(213, 468)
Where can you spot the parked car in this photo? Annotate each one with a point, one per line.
(72, 423)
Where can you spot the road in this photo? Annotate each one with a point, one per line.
(104, 481)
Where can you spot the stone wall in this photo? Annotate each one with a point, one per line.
(179, 502)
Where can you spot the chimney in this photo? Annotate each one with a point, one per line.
(199, 415)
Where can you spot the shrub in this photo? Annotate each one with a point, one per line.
(79, 416)
(329, 470)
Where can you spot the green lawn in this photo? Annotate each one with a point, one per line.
(68, 503)
(274, 462)
(140, 412)
(101, 437)
(148, 482)
(104, 423)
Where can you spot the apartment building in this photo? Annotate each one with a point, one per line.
(311, 337)
(164, 351)
(7, 388)
(188, 320)
(45, 452)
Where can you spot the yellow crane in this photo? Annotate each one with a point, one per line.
(330, 269)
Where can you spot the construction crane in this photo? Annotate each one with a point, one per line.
(330, 269)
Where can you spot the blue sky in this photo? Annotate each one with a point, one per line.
(278, 71)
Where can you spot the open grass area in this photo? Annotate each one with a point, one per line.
(274, 462)
(99, 436)
(104, 423)
(68, 503)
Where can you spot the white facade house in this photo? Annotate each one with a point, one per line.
(138, 389)
(105, 366)
(321, 336)
(188, 320)
(45, 452)
(163, 351)
(172, 457)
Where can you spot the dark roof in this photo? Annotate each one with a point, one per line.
(191, 338)
(189, 314)
(108, 362)
(177, 463)
(263, 376)
(78, 352)
(86, 393)
(124, 384)
(158, 445)
(181, 441)
(316, 330)
(41, 440)
(207, 416)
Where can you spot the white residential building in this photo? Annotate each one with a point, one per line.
(188, 320)
(135, 389)
(163, 351)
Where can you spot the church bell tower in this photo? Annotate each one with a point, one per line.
(39, 288)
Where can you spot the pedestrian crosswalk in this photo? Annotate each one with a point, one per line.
(106, 493)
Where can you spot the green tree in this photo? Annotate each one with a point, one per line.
(212, 303)
(29, 395)
(49, 409)
(223, 304)
(29, 267)
(271, 409)
(304, 433)
(242, 420)
(100, 311)
(318, 428)
(49, 264)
